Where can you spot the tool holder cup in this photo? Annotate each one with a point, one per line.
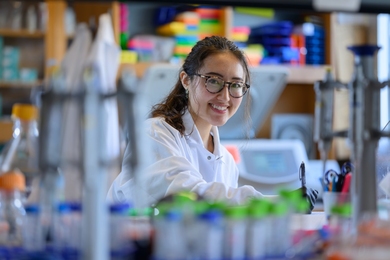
(333, 199)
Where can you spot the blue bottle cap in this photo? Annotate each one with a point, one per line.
(120, 207)
(32, 208)
(75, 206)
(364, 50)
(211, 215)
(173, 215)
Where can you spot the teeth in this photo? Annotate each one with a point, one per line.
(218, 107)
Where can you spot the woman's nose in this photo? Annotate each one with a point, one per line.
(224, 94)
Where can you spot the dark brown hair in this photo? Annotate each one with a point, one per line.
(175, 104)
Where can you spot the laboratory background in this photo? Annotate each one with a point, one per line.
(77, 79)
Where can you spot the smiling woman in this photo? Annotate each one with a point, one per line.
(183, 128)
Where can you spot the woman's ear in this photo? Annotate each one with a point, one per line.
(185, 79)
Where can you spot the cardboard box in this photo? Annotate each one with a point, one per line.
(5, 130)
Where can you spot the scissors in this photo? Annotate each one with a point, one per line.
(333, 180)
(346, 168)
(302, 174)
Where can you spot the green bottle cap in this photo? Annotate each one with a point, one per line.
(279, 208)
(201, 207)
(163, 208)
(259, 208)
(185, 197)
(344, 210)
(218, 205)
(236, 212)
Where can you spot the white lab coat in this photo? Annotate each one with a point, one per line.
(183, 163)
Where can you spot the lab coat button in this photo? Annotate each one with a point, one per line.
(209, 157)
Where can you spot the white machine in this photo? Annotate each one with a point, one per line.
(270, 165)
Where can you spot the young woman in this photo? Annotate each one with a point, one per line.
(188, 155)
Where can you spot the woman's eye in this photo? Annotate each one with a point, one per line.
(214, 81)
(236, 85)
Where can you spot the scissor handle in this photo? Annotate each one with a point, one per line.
(329, 176)
(346, 168)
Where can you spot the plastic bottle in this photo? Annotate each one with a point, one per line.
(209, 235)
(235, 232)
(258, 231)
(141, 231)
(12, 184)
(33, 238)
(70, 21)
(67, 230)
(120, 241)
(21, 152)
(31, 19)
(280, 239)
(170, 242)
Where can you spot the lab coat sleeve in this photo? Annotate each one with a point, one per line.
(171, 172)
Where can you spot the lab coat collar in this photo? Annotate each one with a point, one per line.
(192, 134)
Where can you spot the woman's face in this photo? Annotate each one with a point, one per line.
(210, 109)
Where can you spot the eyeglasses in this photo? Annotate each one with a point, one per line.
(215, 85)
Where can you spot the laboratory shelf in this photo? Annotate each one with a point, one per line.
(22, 33)
(20, 84)
(307, 74)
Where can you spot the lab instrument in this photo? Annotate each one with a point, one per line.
(270, 165)
(364, 126)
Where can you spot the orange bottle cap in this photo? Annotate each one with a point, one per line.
(24, 111)
(12, 180)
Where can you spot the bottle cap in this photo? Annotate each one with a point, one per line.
(236, 212)
(24, 111)
(12, 180)
(259, 208)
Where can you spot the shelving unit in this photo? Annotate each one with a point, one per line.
(20, 84)
(23, 33)
(55, 42)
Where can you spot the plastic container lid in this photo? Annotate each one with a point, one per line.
(211, 216)
(63, 207)
(32, 208)
(364, 50)
(259, 208)
(69, 206)
(236, 212)
(344, 210)
(173, 215)
(24, 111)
(280, 208)
(122, 208)
(12, 180)
(75, 206)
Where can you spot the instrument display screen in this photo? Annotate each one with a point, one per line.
(270, 163)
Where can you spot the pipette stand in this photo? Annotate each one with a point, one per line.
(363, 132)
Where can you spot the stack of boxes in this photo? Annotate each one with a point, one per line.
(127, 56)
(188, 26)
(277, 41)
(9, 66)
(254, 52)
(184, 27)
(10, 57)
(210, 21)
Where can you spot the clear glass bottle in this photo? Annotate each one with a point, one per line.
(12, 185)
(209, 232)
(120, 241)
(21, 152)
(67, 230)
(235, 232)
(258, 229)
(33, 236)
